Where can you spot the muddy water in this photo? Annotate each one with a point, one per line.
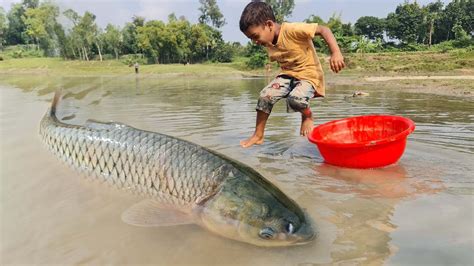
(419, 211)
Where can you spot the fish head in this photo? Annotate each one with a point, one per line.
(252, 210)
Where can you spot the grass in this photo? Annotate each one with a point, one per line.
(460, 61)
(111, 67)
(359, 66)
(429, 62)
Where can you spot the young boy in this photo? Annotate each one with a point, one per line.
(301, 78)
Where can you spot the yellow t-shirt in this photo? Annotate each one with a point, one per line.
(295, 53)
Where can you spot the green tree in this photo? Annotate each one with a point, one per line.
(210, 13)
(199, 40)
(91, 33)
(258, 57)
(113, 39)
(348, 29)
(64, 45)
(172, 18)
(315, 19)
(318, 42)
(3, 27)
(281, 8)
(150, 39)
(30, 3)
(179, 48)
(407, 23)
(223, 53)
(41, 25)
(432, 13)
(335, 24)
(457, 12)
(370, 27)
(343, 33)
(85, 34)
(130, 38)
(72, 16)
(73, 44)
(462, 39)
(178, 42)
(365, 45)
(16, 31)
(459, 33)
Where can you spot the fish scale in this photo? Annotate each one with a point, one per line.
(216, 192)
(150, 163)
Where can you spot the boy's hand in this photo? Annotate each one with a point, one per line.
(337, 62)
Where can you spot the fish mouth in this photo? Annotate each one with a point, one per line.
(306, 233)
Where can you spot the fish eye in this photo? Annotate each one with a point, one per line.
(267, 233)
(290, 228)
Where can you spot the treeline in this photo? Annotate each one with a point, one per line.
(175, 41)
(36, 24)
(411, 27)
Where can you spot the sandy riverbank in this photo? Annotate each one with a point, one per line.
(446, 85)
(387, 78)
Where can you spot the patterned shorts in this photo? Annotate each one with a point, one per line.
(297, 94)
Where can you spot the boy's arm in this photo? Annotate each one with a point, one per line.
(337, 60)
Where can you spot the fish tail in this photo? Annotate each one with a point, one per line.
(54, 103)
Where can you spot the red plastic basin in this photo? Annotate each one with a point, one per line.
(363, 141)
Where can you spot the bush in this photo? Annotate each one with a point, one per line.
(23, 51)
(223, 54)
(106, 57)
(413, 47)
(130, 59)
(463, 43)
(17, 54)
(257, 60)
(257, 55)
(443, 47)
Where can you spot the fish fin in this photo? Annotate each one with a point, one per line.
(99, 125)
(149, 213)
(54, 103)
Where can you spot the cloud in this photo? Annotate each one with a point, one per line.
(152, 10)
(159, 10)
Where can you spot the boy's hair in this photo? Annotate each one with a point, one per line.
(254, 14)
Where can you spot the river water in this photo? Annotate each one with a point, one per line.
(419, 211)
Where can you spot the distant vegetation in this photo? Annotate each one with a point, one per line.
(31, 28)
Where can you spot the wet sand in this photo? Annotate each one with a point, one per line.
(456, 85)
(387, 78)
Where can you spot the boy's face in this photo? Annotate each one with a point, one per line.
(262, 34)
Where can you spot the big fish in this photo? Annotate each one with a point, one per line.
(181, 182)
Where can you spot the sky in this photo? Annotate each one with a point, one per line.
(118, 12)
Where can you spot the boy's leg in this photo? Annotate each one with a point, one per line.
(271, 94)
(307, 122)
(298, 100)
(257, 137)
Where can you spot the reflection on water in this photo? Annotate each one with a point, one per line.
(389, 215)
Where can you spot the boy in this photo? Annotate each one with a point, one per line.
(302, 78)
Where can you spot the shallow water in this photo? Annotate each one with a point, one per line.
(419, 211)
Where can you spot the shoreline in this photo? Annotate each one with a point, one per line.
(434, 77)
(442, 84)
(455, 83)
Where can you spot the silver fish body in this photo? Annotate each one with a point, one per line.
(222, 195)
(143, 162)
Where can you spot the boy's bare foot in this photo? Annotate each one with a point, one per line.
(253, 140)
(306, 126)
